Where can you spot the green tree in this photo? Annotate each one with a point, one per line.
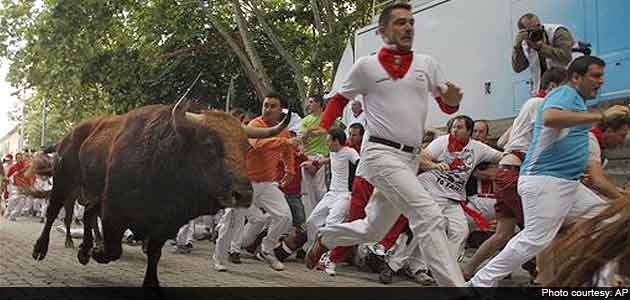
(95, 57)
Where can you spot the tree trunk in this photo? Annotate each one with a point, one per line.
(330, 16)
(249, 45)
(317, 17)
(250, 72)
(298, 72)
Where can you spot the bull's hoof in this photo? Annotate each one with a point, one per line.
(99, 256)
(40, 249)
(84, 256)
(69, 243)
(152, 291)
(151, 284)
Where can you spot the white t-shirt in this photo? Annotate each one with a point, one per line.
(594, 149)
(523, 126)
(452, 184)
(340, 168)
(395, 109)
(352, 119)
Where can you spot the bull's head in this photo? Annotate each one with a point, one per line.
(234, 138)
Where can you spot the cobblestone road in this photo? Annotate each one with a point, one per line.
(61, 268)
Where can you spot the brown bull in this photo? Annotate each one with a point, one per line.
(150, 170)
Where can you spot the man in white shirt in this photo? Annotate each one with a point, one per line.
(395, 85)
(607, 134)
(333, 207)
(455, 156)
(357, 116)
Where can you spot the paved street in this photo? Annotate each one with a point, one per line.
(61, 268)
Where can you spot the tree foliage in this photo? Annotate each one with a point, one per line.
(95, 57)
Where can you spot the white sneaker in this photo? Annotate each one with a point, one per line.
(219, 267)
(273, 262)
(329, 268)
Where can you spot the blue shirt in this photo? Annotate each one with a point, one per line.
(561, 153)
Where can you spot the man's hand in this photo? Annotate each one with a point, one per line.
(453, 95)
(310, 167)
(521, 35)
(442, 167)
(586, 180)
(296, 142)
(616, 111)
(285, 179)
(535, 45)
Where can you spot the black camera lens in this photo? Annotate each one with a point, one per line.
(535, 35)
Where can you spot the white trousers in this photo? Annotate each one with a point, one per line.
(16, 203)
(397, 191)
(230, 228)
(483, 205)
(332, 209)
(314, 185)
(185, 233)
(28, 205)
(267, 197)
(547, 201)
(456, 225)
(37, 206)
(456, 231)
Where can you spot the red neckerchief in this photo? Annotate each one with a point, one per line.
(357, 147)
(454, 145)
(541, 94)
(600, 137)
(396, 63)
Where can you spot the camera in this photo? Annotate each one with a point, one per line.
(536, 35)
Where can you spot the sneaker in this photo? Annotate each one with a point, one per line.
(422, 277)
(315, 253)
(219, 267)
(387, 275)
(259, 255)
(534, 283)
(377, 249)
(189, 245)
(329, 267)
(273, 262)
(321, 265)
(179, 249)
(300, 254)
(235, 258)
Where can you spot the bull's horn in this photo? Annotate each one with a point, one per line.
(260, 133)
(194, 118)
(182, 104)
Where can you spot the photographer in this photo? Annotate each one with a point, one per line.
(538, 47)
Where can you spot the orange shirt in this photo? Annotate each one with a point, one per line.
(265, 155)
